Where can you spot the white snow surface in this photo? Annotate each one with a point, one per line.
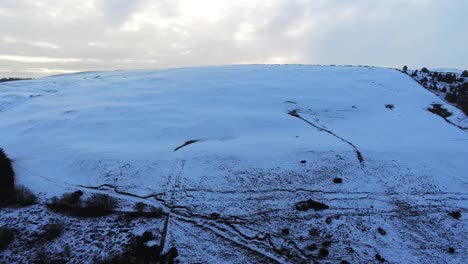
(121, 128)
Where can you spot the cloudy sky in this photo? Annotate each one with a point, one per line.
(47, 37)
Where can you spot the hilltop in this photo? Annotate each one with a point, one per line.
(251, 163)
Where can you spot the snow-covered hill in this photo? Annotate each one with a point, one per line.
(254, 141)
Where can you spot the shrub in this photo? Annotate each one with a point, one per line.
(415, 73)
(139, 207)
(7, 180)
(67, 199)
(465, 74)
(439, 110)
(24, 196)
(389, 106)
(425, 70)
(101, 202)
(7, 235)
(310, 204)
(156, 210)
(405, 69)
(52, 230)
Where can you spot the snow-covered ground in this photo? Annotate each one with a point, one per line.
(264, 138)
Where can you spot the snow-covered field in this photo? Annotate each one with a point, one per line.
(263, 137)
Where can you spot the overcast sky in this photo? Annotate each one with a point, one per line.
(47, 37)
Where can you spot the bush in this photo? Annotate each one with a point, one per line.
(465, 74)
(139, 207)
(415, 73)
(101, 202)
(439, 110)
(389, 106)
(70, 199)
(7, 181)
(24, 196)
(405, 69)
(425, 70)
(138, 251)
(7, 235)
(52, 230)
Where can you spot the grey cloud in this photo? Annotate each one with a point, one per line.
(165, 34)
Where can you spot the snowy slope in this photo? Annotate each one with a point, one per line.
(402, 169)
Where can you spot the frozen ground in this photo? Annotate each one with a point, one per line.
(262, 138)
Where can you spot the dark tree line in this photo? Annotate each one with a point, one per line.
(13, 79)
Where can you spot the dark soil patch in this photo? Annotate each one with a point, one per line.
(455, 214)
(310, 204)
(186, 144)
(338, 180)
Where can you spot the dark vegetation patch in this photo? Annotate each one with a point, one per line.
(455, 214)
(95, 205)
(382, 231)
(328, 220)
(439, 110)
(379, 258)
(214, 216)
(7, 235)
(312, 247)
(455, 88)
(150, 212)
(52, 230)
(303, 161)
(139, 207)
(451, 250)
(337, 180)
(99, 205)
(314, 232)
(458, 95)
(9, 194)
(24, 196)
(186, 144)
(13, 79)
(323, 253)
(310, 204)
(389, 106)
(326, 244)
(7, 181)
(285, 231)
(138, 251)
